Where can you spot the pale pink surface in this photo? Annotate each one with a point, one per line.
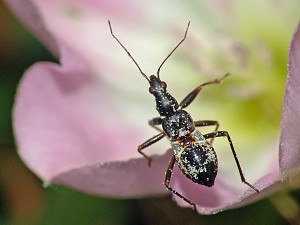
(70, 121)
(58, 114)
(290, 133)
(28, 14)
(132, 178)
(70, 129)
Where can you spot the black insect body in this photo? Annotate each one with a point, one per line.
(166, 105)
(196, 159)
(193, 153)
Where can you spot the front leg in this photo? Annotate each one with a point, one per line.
(191, 96)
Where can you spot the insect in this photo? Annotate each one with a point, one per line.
(194, 154)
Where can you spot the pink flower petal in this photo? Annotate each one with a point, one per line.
(28, 14)
(224, 196)
(290, 133)
(70, 130)
(119, 179)
(59, 122)
(62, 138)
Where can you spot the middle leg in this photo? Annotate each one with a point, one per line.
(149, 142)
(153, 123)
(202, 123)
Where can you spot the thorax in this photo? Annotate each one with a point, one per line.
(178, 126)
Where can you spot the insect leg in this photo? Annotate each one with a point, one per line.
(167, 182)
(147, 143)
(191, 96)
(154, 122)
(202, 123)
(223, 134)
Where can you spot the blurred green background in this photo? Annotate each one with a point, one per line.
(23, 200)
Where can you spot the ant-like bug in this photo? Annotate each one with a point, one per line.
(193, 153)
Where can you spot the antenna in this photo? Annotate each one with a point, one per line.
(173, 50)
(128, 53)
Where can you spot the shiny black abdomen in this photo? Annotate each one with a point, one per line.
(198, 161)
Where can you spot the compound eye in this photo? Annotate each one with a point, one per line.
(164, 85)
(151, 90)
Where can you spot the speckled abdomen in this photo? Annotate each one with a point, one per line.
(197, 159)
